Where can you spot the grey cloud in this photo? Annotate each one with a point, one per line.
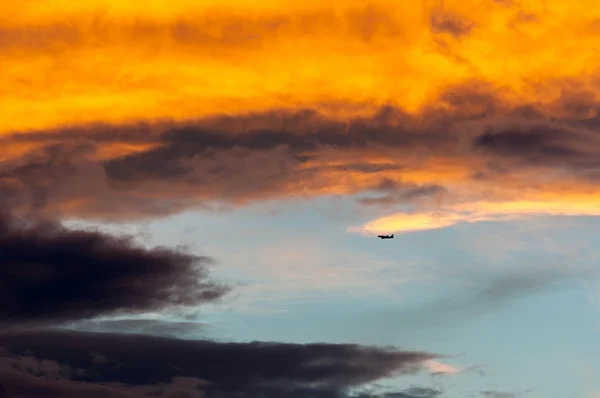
(487, 292)
(416, 392)
(136, 365)
(222, 159)
(545, 145)
(396, 192)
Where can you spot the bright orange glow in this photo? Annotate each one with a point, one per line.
(112, 151)
(403, 222)
(67, 63)
(564, 205)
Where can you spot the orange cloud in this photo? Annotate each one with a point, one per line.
(542, 204)
(68, 64)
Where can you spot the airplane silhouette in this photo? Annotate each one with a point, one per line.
(386, 236)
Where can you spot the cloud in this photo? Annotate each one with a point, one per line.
(150, 327)
(542, 144)
(406, 222)
(480, 211)
(445, 22)
(229, 159)
(52, 274)
(412, 392)
(398, 193)
(438, 368)
(136, 365)
(498, 394)
(501, 394)
(156, 169)
(119, 59)
(416, 392)
(478, 292)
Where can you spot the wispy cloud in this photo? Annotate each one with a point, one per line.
(307, 269)
(482, 211)
(473, 292)
(436, 368)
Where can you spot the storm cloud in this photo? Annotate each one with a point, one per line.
(57, 363)
(52, 274)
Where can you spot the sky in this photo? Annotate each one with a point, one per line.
(191, 193)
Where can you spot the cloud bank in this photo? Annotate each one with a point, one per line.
(115, 365)
(515, 168)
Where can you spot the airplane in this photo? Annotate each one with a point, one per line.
(386, 236)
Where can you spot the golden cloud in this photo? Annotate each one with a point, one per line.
(567, 205)
(67, 64)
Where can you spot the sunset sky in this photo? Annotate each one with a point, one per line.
(192, 191)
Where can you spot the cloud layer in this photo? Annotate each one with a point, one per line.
(61, 363)
(422, 103)
(478, 167)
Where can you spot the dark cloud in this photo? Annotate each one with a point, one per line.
(544, 145)
(367, 168)
(299, 130)
(26, 384)
(294, 135)
(53, 274)
(41, 171)
(397, 192)
(59, 363)
(415, 392)
(445, 22)
(223, 159)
